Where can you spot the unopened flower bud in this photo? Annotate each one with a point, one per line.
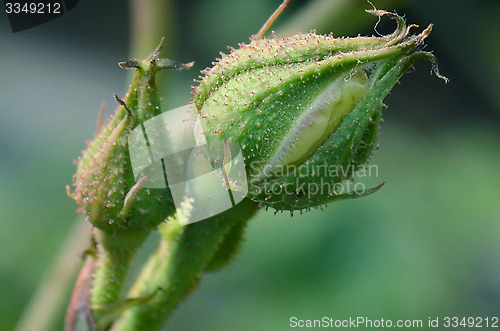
(105, 187)
(299, 105)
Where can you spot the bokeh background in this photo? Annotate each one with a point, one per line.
(426, 245)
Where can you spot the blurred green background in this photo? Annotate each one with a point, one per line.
(426, 245)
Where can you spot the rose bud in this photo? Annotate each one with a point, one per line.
(105, 188)
(122, 208)
(303, 106)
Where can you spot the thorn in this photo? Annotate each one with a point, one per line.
(122, 103)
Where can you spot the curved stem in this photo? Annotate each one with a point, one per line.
(178, 263)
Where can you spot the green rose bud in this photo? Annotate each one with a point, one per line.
(304, 109)
(106, 190)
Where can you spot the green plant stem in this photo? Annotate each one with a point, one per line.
(152, 20)
(109, 277)
(177, 265)
(114, 260)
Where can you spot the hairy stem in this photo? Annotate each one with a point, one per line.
(177, 265)
(114, 260)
